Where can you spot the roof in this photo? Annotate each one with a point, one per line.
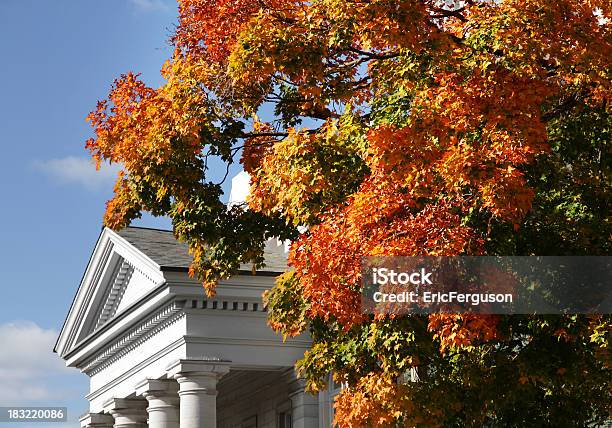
(159, 245)
(162, 247)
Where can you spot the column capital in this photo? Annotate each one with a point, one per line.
(157, 387)
(127, 412)
(124, 403)
(296, 384)
(207, 366)
(96, 420)
(198, 390)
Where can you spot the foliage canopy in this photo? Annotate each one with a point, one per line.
(408, 127)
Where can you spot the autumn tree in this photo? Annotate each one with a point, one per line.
(406, 127)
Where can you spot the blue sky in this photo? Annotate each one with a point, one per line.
(58, 58)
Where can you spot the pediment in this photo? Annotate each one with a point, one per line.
(117, 277)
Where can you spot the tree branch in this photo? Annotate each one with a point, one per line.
(565, 105)
(446, 13)
(372, 55)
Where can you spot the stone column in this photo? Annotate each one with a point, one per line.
(198, 390)
(304, 406)
(163, 399)
(96, 420)
(128, 413)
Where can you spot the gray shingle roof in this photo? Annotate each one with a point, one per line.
(159, 245)
(167, 252)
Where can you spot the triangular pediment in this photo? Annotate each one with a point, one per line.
(117, 277)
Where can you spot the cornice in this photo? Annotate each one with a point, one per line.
(136, 368)
(118, 320)
(248, 341)
(135, 337)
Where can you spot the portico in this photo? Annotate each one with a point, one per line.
(160, 353)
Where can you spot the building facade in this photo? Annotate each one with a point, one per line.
(160, 353)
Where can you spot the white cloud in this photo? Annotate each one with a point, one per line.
(81, 171)
(28, 365)
(151, 5)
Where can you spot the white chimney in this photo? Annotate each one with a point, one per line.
(240, 189)
(275, 251)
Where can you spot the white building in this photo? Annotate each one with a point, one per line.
(159, 353)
